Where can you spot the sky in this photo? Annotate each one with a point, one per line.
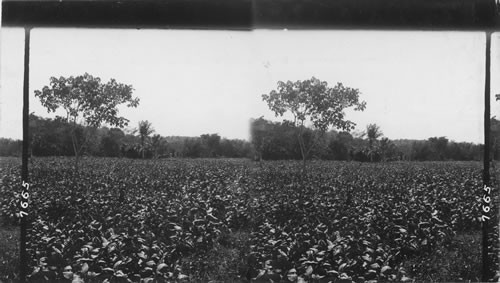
(190, 82)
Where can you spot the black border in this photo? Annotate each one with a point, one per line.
(23, 268)
(250, 14)
(199, 14)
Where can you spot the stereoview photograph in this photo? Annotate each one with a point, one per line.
(248, 156)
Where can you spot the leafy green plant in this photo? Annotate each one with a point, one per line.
(232, 220)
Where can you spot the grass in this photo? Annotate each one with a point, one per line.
(9, 253)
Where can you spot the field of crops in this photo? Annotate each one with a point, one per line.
(233, 220)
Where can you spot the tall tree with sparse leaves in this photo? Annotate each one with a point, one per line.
(312, 103)
(88, 104)
(373, 132)
(145, 129)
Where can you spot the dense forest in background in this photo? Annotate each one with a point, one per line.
(277, 140)
(269, 141)
(52, 137)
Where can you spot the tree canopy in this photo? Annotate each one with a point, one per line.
(313, 104)
(88, 103)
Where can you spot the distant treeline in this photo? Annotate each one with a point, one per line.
(51, 137)
(278, 140)
(269, 141)
(10, 147)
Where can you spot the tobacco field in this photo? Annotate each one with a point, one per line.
(220, 220)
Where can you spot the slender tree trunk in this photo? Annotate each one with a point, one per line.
(75, 149)
(78, 149)
(302, 151)
(142, 147)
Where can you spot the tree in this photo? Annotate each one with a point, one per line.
(192, 147)
(112, 142)
(145, 129)
(10, 147)
(274, 140)
(88, 103)
(373, 132)
(234, 148)
(387, 149)
(211, 142)
(156, 142)
(312, 103)
(49, 137)
(495, 136)
(438, 146)
(259, 136)
(423, 151)
(338, 147)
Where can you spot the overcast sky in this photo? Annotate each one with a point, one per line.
(416, 84)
